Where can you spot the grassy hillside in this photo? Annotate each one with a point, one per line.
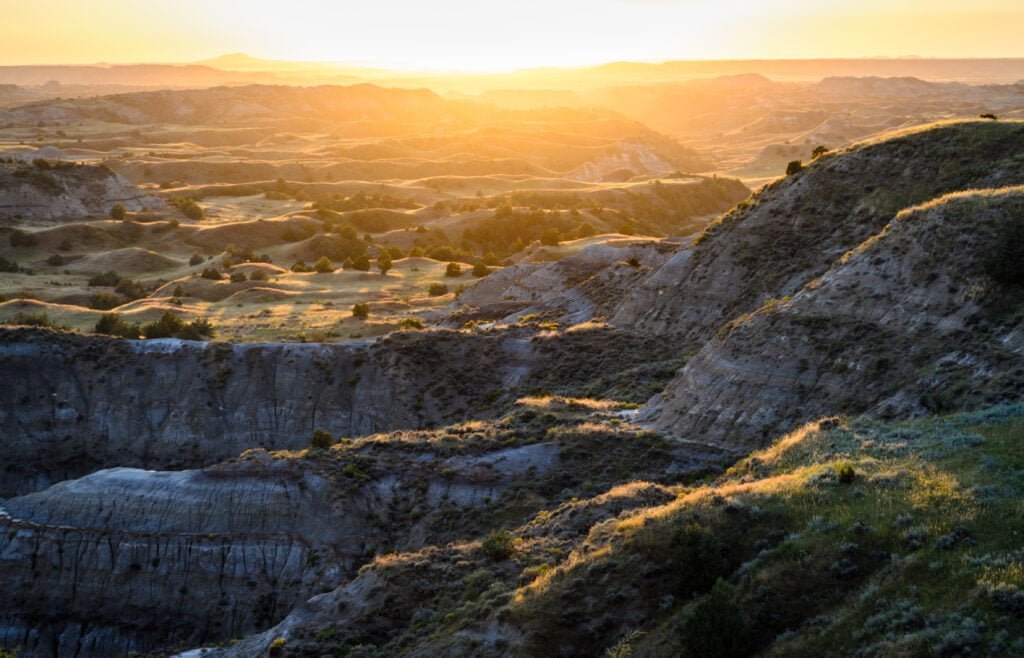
(849, 537)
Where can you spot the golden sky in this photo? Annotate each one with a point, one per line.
(500, 35)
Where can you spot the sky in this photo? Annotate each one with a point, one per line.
(492, 35)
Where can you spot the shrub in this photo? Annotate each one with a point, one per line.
(196, 330)
(361, 263)
(551, 237)
(480, 269)
(408, 324)
(130, 289)
(321, 439)
(35, 320)
(195, 259)
(498, 546)
(715, 628)
(55, 260)
(104, 301)
(1005, 262)
(300, 267)
(258, 275)
(794, 167)
(188, 207)
(437, 289)
(989, 116)
(276, 647)
(384, 262)
(238, 277)
(20, 238)
(845, 473)
(323, 266)
(818, 152)
(113, 324)
(453, 269)
(171, 326)
(109, 279)
(178, 291)
(361, 310)
(212, 273)
(117, 212)
(9, 265)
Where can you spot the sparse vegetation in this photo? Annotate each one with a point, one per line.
(361, 311)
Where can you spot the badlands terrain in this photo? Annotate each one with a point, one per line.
(712, 367)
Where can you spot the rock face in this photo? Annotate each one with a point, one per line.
(126, 560)
(911, 321)
(63, 190)
(99, 566)
(792, 231)
(73, 404)
(79, 403)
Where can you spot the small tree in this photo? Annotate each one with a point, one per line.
(212, 273)
(258, 275)
(437, 289)
(238, 277)
(819, 151)
(384, 261)
(195, 259)
(300, 266)
(794, 167)
(322, 439)
(480, 269)
(361, 310)
(990, 117)
(178, 291)
(323, 266)
(117, 212)
(453, 269)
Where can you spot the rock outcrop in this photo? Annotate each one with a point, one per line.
(912, 321)
(32, 191)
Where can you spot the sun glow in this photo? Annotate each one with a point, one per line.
(469, 35)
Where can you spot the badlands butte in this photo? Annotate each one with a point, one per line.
(351, 371)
